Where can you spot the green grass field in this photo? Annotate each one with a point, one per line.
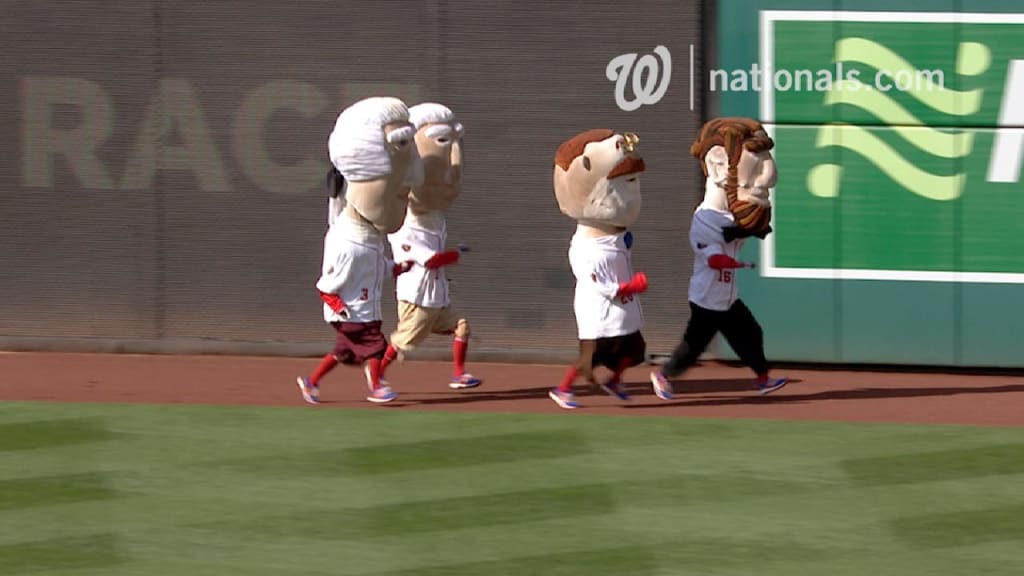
(217, 491)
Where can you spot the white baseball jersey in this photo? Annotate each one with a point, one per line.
(354, 267)
(420, 238)
(710, 288)
(600, 265)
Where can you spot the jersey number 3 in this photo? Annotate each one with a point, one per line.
(725, 276)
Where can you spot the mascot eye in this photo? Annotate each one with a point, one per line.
(401, 137)
(586, 162)
(443, 134)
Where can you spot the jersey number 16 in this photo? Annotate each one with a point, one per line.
(725, 275)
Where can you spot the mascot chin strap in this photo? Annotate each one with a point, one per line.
(335, 195)
(335, 206)
(731, 233)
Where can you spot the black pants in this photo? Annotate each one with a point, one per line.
(614, 353)
(737, 325)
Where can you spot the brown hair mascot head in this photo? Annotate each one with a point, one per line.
(735, 155)
(439, 142)
(372, 147)
(596, 178)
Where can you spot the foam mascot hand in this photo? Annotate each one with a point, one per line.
(402, 267)
(636, 285)
(372, 148)
(736, 158)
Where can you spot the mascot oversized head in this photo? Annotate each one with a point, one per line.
(735, 155)
(439, 144)
(596, 179)
(373, 150)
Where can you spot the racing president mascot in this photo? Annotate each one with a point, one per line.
(375, 162)
(735, 155)
(597, 183)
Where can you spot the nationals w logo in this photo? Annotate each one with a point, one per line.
(648, 77)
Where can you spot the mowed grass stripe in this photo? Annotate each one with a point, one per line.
(432, 515)
(616, 559)
(954, 464)
(396, 458)
(964, 528)
(58, 554)
(516, 507)
(22, 493)
(685, 489)
(39, 434)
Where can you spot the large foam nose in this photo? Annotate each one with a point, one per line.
(456, 154)
(769, 174)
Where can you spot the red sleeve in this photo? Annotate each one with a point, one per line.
(333, 300)
(442, 259)
(720, 261)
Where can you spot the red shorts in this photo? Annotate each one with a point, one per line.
(357, 342)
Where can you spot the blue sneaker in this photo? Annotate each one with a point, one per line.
(662, 387)
(310, 392)
(465, 381)
(615, 390)
(564, 399)
(381, 395)
(772, 385)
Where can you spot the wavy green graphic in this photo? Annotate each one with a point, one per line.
(823, 181)
(926, 90)
(936, 142)
(972, 59)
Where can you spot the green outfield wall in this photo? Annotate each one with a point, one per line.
(899, 130)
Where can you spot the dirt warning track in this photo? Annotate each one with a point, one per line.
(707, 391)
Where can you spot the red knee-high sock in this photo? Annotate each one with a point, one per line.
(326, 365)
(459, 347)
(389, 356)
(373, 373)
(762, 378)
(568, 380)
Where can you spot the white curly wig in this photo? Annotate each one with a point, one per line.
(357, 145)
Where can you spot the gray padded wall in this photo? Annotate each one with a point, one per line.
(161, 163)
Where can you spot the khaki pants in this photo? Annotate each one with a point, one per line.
(415, 323)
